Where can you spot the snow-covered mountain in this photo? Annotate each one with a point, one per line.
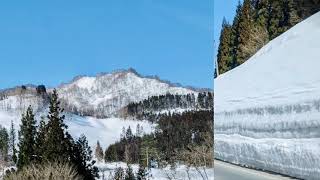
(267, 111)
(90, 102)
(105, 94)
(100, 96)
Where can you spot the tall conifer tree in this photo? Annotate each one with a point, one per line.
(82, 159)
(56, 141)
(40, 140)
(27, 135)
(13, 143)
(4, 144)
(224, 51)
(235, 35)
(245, 26)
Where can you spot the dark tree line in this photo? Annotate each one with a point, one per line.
(126, 150)
(307, 8)
(174, 135)
(175, 132)
(257, 22)
(51, 142)
(148, 107)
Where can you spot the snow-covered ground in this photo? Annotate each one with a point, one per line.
(107, 131)
(267, 111)
(179, 173)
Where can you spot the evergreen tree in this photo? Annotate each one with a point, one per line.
(110, 154)
(235, 35)
(307, 8)
(123, 134)
(276, 19)
(200, 100)
(148, 150)
(4, 144)
(55, 141)
(262, 14)
(291, 16)
(129, 174)
(82, 159)
(27, 136)
(245, 26)
(129, 134)
(224, 50)
(13, 143)
(99, 152)
(40, 140)
(142, 173)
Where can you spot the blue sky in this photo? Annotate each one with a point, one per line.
(50, 42)
(223, 8)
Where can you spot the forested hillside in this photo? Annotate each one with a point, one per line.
(182, 137)
(161, 104)
(255, 24)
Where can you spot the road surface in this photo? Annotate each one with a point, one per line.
(226, 171)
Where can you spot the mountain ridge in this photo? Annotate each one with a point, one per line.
(101, 96)
(132, 70)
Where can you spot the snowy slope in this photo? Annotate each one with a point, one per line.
(107, 131)
(107, 93)
(267, 111)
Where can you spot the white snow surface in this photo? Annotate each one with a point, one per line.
(179, 173)
(107, 131)
(110, 92)
(267, 111)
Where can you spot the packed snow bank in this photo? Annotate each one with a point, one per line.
(107, 171)
(300, 157)
(267, 111)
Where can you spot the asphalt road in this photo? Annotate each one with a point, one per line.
(226, 171)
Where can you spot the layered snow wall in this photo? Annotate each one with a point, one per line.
(267, 111)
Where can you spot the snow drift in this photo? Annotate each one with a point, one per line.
(267, 111)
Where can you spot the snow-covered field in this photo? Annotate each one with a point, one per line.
(107, 131)
(179, 173)
(267, 111)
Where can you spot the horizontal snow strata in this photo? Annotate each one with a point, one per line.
(296, 157)
(267, 110)
(286, 121)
